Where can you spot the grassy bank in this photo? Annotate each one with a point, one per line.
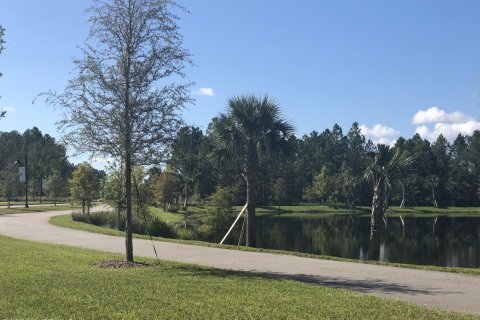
(67, 222)
(314, 211)
(47, 281)
(39, 208)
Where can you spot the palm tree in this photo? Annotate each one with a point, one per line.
(384, 167)
(251, 126)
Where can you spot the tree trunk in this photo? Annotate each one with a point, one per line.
(403, 197)
(185, 200)
(128, 138)
(377, 205)
(250, 174)
(119, 196)
(250, 234)
(128, 196)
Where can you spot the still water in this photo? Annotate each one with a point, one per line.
(441, 241)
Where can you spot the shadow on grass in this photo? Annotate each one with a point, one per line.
(362, 286)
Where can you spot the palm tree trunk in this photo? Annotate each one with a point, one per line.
(250, 234)
(403, 197)
(377, 205)
(250, 174)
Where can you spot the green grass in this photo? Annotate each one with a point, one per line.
(37, 209)
(168, 217)
(304, 210)
(67, 222)
(42, 281)
(432, 211)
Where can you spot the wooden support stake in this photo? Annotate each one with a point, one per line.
(233, 224)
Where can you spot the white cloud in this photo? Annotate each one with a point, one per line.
(434, 114)
(205, 92)
(450, 125)
(378, 131)
(9, 109)
(380, 134)
(449, 130)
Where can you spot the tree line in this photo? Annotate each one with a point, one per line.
(326, 167)
(48, 168)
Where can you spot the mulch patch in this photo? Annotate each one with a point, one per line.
(119, 264)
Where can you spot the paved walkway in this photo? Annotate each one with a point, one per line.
(441, 290)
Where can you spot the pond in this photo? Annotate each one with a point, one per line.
(440, 241)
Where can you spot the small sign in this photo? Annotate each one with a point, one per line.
(22, 174)
(44, 183)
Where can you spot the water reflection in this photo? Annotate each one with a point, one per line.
(441, 241)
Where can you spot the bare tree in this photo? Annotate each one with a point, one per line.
(125, 100)
(2, 46)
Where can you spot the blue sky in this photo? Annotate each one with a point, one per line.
(395, 67)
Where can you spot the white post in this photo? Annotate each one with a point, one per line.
(229, 230)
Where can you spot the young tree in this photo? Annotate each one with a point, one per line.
(122, 103)
(279, 191)
(85, 186)
(165, 188)
(383, 168)
(57, 187)
(218, 216)
(252, 125)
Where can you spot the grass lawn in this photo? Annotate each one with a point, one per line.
(314, 211)
(432, 211)
(67, 222)
(38, 209)
(168, 217)
(47, 281)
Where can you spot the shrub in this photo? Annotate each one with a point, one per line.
(185, 234)
(159, 228)
(80, 217)
(101, 218)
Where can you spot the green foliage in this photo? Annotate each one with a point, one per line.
(57, 187)
(159, 228)
(99, 218)
(218, 215)
(165, 189)
(279, 191)
(252, 127)
(85, 186)
(143, 223)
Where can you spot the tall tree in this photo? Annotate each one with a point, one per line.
(2, 46)
(123, 102)
(251, 126)
(185, 158)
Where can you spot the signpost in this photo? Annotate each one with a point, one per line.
(22, 174)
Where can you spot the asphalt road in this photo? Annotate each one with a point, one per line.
(442, 290)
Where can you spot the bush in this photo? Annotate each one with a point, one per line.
(185, 234)
(80, 217)
(101, 218)
(172, 209)
(159, 228)
(141, 224)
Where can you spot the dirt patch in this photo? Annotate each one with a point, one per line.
(120, 264)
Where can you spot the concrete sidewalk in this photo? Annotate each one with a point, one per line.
(448, 291)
